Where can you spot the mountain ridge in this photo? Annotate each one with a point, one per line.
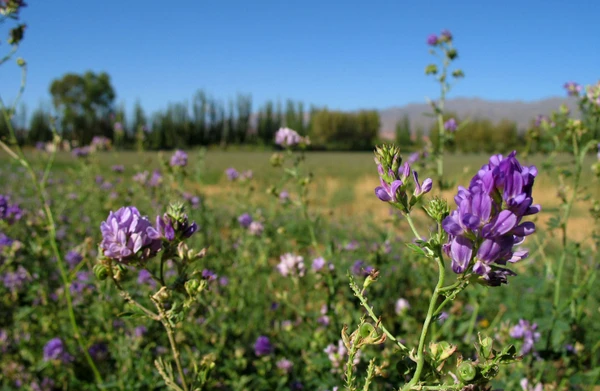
(519, 111)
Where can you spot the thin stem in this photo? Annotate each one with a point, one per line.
(412, 225)
(365, 304)
(430, 312)
(175, 351)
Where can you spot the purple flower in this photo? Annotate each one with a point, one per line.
(127, 235)
(169, 228)
(284, 196)
(451, 125)
(55, 350)
(256, 228)
(402, 305)
(81, 152)
(9, 212)
(155, 179)
(527, 332)
(209, 275)
(432, 40)
(14, 281)
(145, 277)
(232, 174)
(47, 384)
(446, 35)
(262, 346)
(573, 89)
(245, 220)
(179, 159)
(139, 331)
(287, 137)
(394, 178)
(488, 222)
(318, 264)
(290, 264)
(285, 365)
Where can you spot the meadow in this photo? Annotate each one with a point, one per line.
(246, 295)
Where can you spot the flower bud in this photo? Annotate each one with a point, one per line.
(191, 287)
(458, 73)
(452, 54)
(431, 69)
(162, 295)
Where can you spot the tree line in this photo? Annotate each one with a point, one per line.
(84, 107)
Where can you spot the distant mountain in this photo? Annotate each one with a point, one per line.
(519, 111)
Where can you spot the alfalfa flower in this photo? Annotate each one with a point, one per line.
(291, 265)
(127, 235)
(174, 225)
(488, 224)
(245, 220)
(451, 125)
(287, 137)
(432, 40)
(573, 89)
(232, 174)
(179, 159)
(263, 346)
(394, 178)
(527, 332)
(55, 350)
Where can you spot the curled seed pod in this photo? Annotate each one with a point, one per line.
(101, 271)
(366, 330)
(467, 371)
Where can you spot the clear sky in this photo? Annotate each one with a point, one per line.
(344, 54)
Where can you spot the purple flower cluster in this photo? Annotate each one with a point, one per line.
(445, 36)
(9, 212)
(81, 151)
(170, 228)
(73, 258)
(527, 332)
(287, 137)
(488, 222)
(245, 220)
(573, 89)
(100, 143)
(55, 350)
(263, 346)
(232, 174)
(394, 182)
(290, 264)
(126, 234)
(451, 125)
(14, 281)
(179, 159)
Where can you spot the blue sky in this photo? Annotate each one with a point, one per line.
(343, 54)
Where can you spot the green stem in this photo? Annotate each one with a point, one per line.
(564, 229)
(171, 335)
(366, 306)
(430, 313)
(412, 225)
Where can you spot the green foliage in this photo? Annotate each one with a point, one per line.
(85, 103)
(344, 130)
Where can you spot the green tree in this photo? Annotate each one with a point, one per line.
(39, 127)
(85, 103)
(403, 134)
